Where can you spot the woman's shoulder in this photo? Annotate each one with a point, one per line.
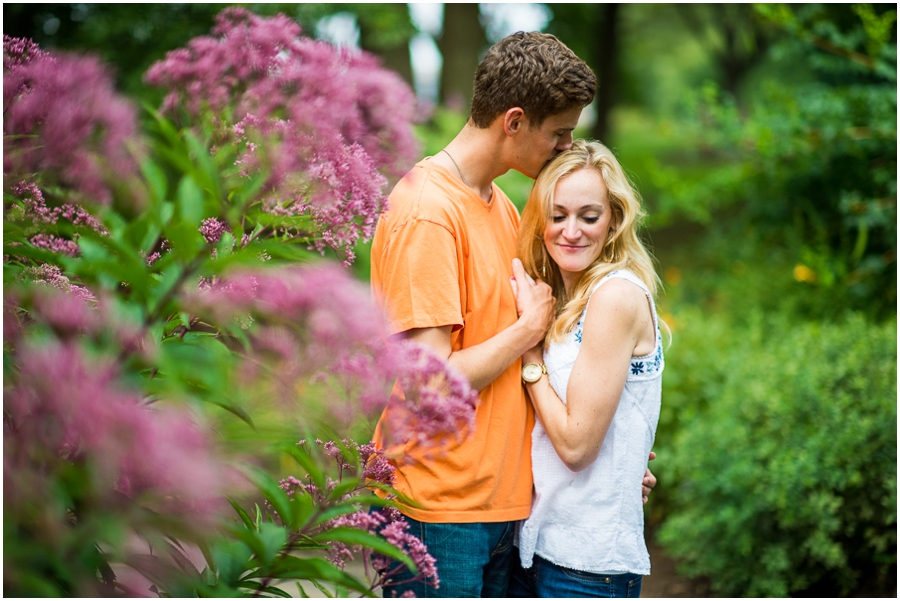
(621, 287)
(617, 299)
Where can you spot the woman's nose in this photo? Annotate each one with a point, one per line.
(570, 230)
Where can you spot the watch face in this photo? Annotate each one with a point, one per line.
(531, 372)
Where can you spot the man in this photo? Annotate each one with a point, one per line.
(442, 258)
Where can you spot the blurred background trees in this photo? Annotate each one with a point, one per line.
(764, 141)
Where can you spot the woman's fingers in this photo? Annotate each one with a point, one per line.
(520, 274)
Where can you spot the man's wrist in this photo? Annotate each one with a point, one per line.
(530, 332)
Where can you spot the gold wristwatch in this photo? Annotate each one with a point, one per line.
(532, 372)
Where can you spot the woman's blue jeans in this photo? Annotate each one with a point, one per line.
(473, 560)
(546, 579)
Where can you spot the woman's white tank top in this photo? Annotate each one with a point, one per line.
(593, 520)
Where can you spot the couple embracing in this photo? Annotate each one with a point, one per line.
(551, 318)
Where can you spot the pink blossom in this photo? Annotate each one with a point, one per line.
(55, 244)
(52, 276)
(18, 52)
(436, 402)
(68, 315)
(212, 229)
(321, 121)
(62, 116)
(319, 323)
(64, 402)
(35, 207)
(397, 533)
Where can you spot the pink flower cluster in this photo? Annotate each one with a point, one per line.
(319, 323)
(52, 276)
(18, 52)
(212, 229)
(386, 522)
(320, 120)
(35, 209)
(62, 116)
(73, 407)
(436, 402)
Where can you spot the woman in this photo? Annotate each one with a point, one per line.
(596, 384)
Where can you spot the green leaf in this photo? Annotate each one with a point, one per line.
(225, 245)
(245, 517)
(273, 538)
(187, 242)
(308, 463)
(302, 510)
(266, 543)
(335, 511)
(274, 494)
(346, 486)
(230, 559)
(190, 201)
(156, 179)
(328, 594)
(312, 569)
(208, 172)
(272, 590)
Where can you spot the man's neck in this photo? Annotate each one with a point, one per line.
(475, 155)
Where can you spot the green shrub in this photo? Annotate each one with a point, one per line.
(778, 448)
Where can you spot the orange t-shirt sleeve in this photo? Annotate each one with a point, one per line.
(420, 277)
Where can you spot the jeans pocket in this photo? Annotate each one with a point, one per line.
(506, 540)
(633, 590)
(586, 577)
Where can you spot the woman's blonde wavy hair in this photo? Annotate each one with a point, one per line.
(623, 249)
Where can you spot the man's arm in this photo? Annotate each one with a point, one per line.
(484, 362)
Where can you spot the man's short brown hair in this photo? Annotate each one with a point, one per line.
(534, 71)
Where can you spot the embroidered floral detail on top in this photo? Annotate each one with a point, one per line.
(648, 365)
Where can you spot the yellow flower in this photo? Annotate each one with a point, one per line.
(672, 276)
(802, 273)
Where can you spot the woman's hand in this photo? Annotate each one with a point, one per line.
(535, 304)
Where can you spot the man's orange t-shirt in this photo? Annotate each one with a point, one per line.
(443, 256)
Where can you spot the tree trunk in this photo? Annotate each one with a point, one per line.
(605, 57)
(385, 30)
(461, 44)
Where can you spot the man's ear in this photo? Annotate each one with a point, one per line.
(513, 121)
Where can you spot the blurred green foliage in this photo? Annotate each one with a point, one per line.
(778, 454)
(806, 166)
(771, 201)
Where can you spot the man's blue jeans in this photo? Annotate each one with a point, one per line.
(473, 560)
(546, 579)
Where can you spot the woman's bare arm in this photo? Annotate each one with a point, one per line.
(617, 316)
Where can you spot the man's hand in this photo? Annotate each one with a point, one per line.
(534, 302)
(649, 481)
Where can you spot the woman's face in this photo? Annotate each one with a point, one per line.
(579, 224)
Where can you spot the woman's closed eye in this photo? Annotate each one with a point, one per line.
(589, 220)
